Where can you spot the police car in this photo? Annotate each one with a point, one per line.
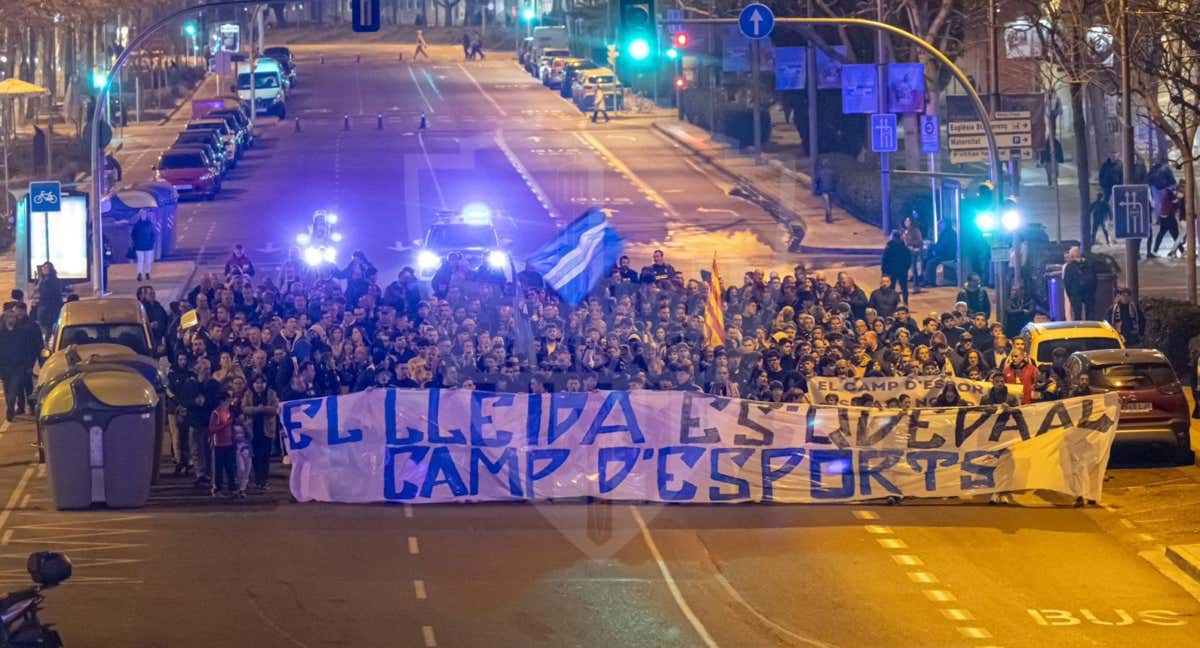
(469, 233)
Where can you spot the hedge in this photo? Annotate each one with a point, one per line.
(1170, 325)
(857, 190)
(732, 120)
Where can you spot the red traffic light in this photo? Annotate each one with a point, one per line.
(680, 83)
(681, 39)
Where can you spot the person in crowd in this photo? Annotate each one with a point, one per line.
(914, 240)
(1171, 209)
(998, 393)
(1100, 213)
(221, 431)
(259, 407)
(884, 299)
(1020, 371)
(599, 104)
(466, 45)
(948, 397)
(49, 296)
(1127, 316)
(896, 263)
(238, 262)
(975, 296)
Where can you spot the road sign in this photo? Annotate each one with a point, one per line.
(981, 155)
(1012, 114)
(980, 141)
(365, 15)
(931, 135)
(1131, 210)
(999, 127)
(1000, 252)
(883, 133)
(45, 196)
(673, 18)
(756, 21)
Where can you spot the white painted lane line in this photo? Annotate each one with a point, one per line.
(697, 625)
(530, 182)
(957, 614)
(25, 500)
(939, 596)
(908, 560)
(413, 547)
(7, 537)
(878, 529)
(892, 543)
(427, 635)
(491, 100)
(428, 106)
(922, 577)
(408, 510)
(974, 633)
(733, 593)
(1158, 558)
(1126, 523)
(628, 173)
(432, 171)
(419, 589)
(16, 496)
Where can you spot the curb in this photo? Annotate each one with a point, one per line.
(1187, 558)
(185, 100)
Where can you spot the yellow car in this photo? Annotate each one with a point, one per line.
(1042, 338)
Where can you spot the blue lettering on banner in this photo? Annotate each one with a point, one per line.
(533, 420)
(630, 425)
(553, 458)
(334, 436)
(435, 434)
(574, 402)
(932, 459)
(442, 471)
(738, 456)
(310, 407)
(507, 461)
(687, 422)
(628, 456)
(478, 420)
(770, 474)
(412, 454)
(868, 470)
(413, 435)
(915, 425)
(689, 455)
(766, 436)
(842, 463)
(1058, 418)
(977, 475)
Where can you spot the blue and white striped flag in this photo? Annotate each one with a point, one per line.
(580, 256)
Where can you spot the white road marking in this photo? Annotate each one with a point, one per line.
(6, 537)
(1126, 523)
(1158, 558)
(16, 496)
(491, 100)
(878, 529)
(428, 106)
(940, 596)
(628, 173)
(697, 625)
(530, 182)
(892, 543)
(733, 593)
(866, 515)
(413, 547)
(25, 500)
(419, 589)
(427, 635)
(957, 614)
(922, 577)
(432, 171)
(908, 560)
(974, 633)
(408, 510)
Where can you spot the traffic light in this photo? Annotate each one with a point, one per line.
(680, 83)
(672, 53)
(638, 33)
(528, 14)
(681, 40)
(189, 30)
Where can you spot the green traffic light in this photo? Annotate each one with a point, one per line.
(189, 29)
(986, 222)
(672, 53)
(639, 49)
(528, 13)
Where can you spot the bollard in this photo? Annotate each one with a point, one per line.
(423, 122)
(345, 122)
(379, 121)
(400, 56)
(297, 123)
(358, 58)
(322, 59)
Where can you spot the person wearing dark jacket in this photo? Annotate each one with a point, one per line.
(239, 263)
(884, 299)
(975, 297)
(897, 259)
(11, 362)
(1079, 280)
(49, 296)
(1128, 318)
(143, 236)
(156, 317)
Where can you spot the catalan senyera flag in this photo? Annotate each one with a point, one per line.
(714, 316)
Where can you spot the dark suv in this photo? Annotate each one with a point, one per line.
(1153, 406)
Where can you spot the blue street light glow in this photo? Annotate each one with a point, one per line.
(639, 49)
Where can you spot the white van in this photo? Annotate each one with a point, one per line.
(268, 87)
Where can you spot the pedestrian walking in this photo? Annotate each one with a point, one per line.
(477, 46)
(1079, 280)
(466, 45)
(896, 262)
(1127, 316)
(914, 239)
(224, 459)
(142, 237)
(11, 362)
(599, 104)
(1110, 176)
(49, 296)
(1169, 211)
(422, 45)
(1100, 213)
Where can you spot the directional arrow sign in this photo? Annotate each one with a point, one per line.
(756, 21)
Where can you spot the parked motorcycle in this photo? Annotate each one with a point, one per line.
(20, 626)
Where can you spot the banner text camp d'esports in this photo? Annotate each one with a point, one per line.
(417, 446)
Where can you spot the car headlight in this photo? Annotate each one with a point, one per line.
(331, 218)
(303, 239)
(427, 260)
(312, 256)
(497, 259)
(329, 254)
(336, 237)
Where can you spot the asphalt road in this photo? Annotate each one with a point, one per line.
(265, 572)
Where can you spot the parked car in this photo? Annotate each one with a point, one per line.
(547, 55)
(242, 122)
(286, 61)
(203, 140)
(188, 173)
(571, 69)
(583, 91)
(112, 320)
(227, 137)
(1044, 337)
(211, 159)
(1154, 409)
(237, 134)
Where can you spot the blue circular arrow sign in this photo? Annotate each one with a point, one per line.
(756, 21)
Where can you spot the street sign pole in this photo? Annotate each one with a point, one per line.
(755, 21)
(754, 102)
(885, 179)
(810, 80)
(1131, 245)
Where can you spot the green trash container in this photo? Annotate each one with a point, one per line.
(98, 428)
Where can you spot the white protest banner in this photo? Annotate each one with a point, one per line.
(918, 388)
(425, 446)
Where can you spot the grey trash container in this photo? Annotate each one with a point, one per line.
(98, 429)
